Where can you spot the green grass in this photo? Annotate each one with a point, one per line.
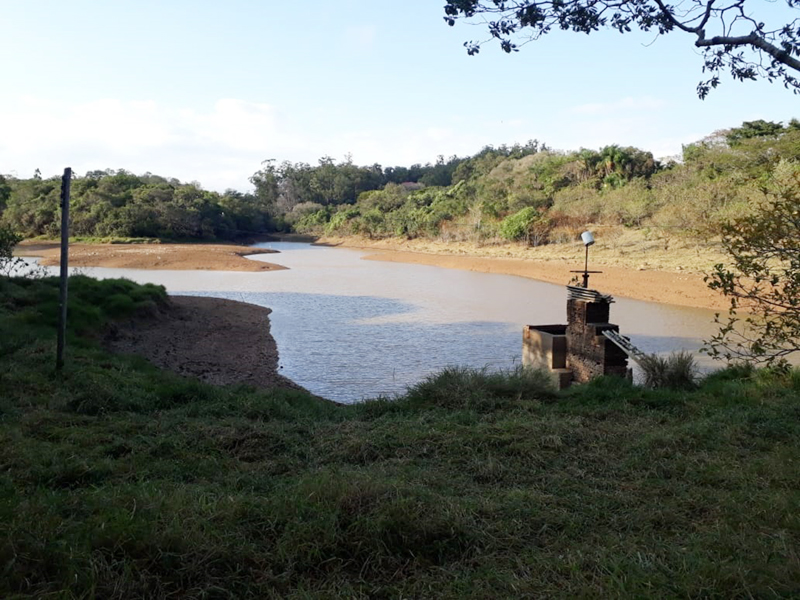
(120, 480)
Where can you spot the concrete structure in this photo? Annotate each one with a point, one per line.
(577, 351)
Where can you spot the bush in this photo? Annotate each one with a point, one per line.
(678, 371)
(762, 276)
(528, 224)
(342, 221)
(8, 239)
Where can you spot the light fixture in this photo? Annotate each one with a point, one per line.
(588, 239)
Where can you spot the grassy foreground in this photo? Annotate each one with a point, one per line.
(120, 480)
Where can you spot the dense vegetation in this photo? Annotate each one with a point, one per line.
(527, 193)
(120, 480)
(119, 204)
(548, 196)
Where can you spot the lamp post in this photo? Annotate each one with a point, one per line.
(588, 239)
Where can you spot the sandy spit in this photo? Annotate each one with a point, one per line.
(179, 257)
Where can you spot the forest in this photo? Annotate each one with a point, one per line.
(527, 193)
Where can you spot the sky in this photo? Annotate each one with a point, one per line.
(206, 91)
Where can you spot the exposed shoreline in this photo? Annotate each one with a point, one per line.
(641, 270)
(222, 342)
(682, 287)
(178, 257)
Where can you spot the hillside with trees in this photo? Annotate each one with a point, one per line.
(543, 196)
(528, 194)
(120, 204)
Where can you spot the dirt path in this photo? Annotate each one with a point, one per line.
(219, 341)
(179, 257)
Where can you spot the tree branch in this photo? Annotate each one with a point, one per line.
(750, 40)
(671, 18)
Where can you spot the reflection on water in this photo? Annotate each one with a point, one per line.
(349, 329)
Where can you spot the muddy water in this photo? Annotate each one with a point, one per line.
(349, 329)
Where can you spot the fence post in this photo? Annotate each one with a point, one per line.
(62, 297)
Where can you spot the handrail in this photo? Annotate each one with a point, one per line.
(624, 344)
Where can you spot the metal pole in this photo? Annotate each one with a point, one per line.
(586, 269)
(66, 179)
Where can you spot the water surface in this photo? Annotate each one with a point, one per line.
(349, 329)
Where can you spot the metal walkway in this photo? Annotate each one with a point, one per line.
(625, 344)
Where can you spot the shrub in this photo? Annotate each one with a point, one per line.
(342, 221)
(8, 239)
(528, 224)
(678, 371)
(762, 276)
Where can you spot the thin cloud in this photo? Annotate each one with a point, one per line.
(643, 103)
(220, 147)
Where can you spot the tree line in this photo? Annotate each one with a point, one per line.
(523, 192)
(120, 204)
(549, 196)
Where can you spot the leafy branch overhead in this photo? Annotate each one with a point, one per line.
(730, 34)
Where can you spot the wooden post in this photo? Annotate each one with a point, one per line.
(66, 179)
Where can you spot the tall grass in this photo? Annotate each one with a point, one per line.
(465, 387)
(676, 371)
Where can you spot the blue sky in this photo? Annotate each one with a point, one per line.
(204, 90)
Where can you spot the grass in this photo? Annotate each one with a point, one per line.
(120, 480)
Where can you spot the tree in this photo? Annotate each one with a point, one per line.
(754, 129)
(266, 183)
(528, 224)
(727, 32)
(5, 193)
(764, 277)
(8, 239)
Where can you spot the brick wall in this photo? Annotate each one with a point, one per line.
(590, 354)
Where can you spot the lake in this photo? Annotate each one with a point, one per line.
(349, 329)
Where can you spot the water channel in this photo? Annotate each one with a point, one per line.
(349, 329)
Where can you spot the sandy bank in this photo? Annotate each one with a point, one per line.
(179, 257)
(643, 272)
(219, 341)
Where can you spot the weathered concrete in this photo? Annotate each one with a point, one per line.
(577, 351)
(546, 345)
